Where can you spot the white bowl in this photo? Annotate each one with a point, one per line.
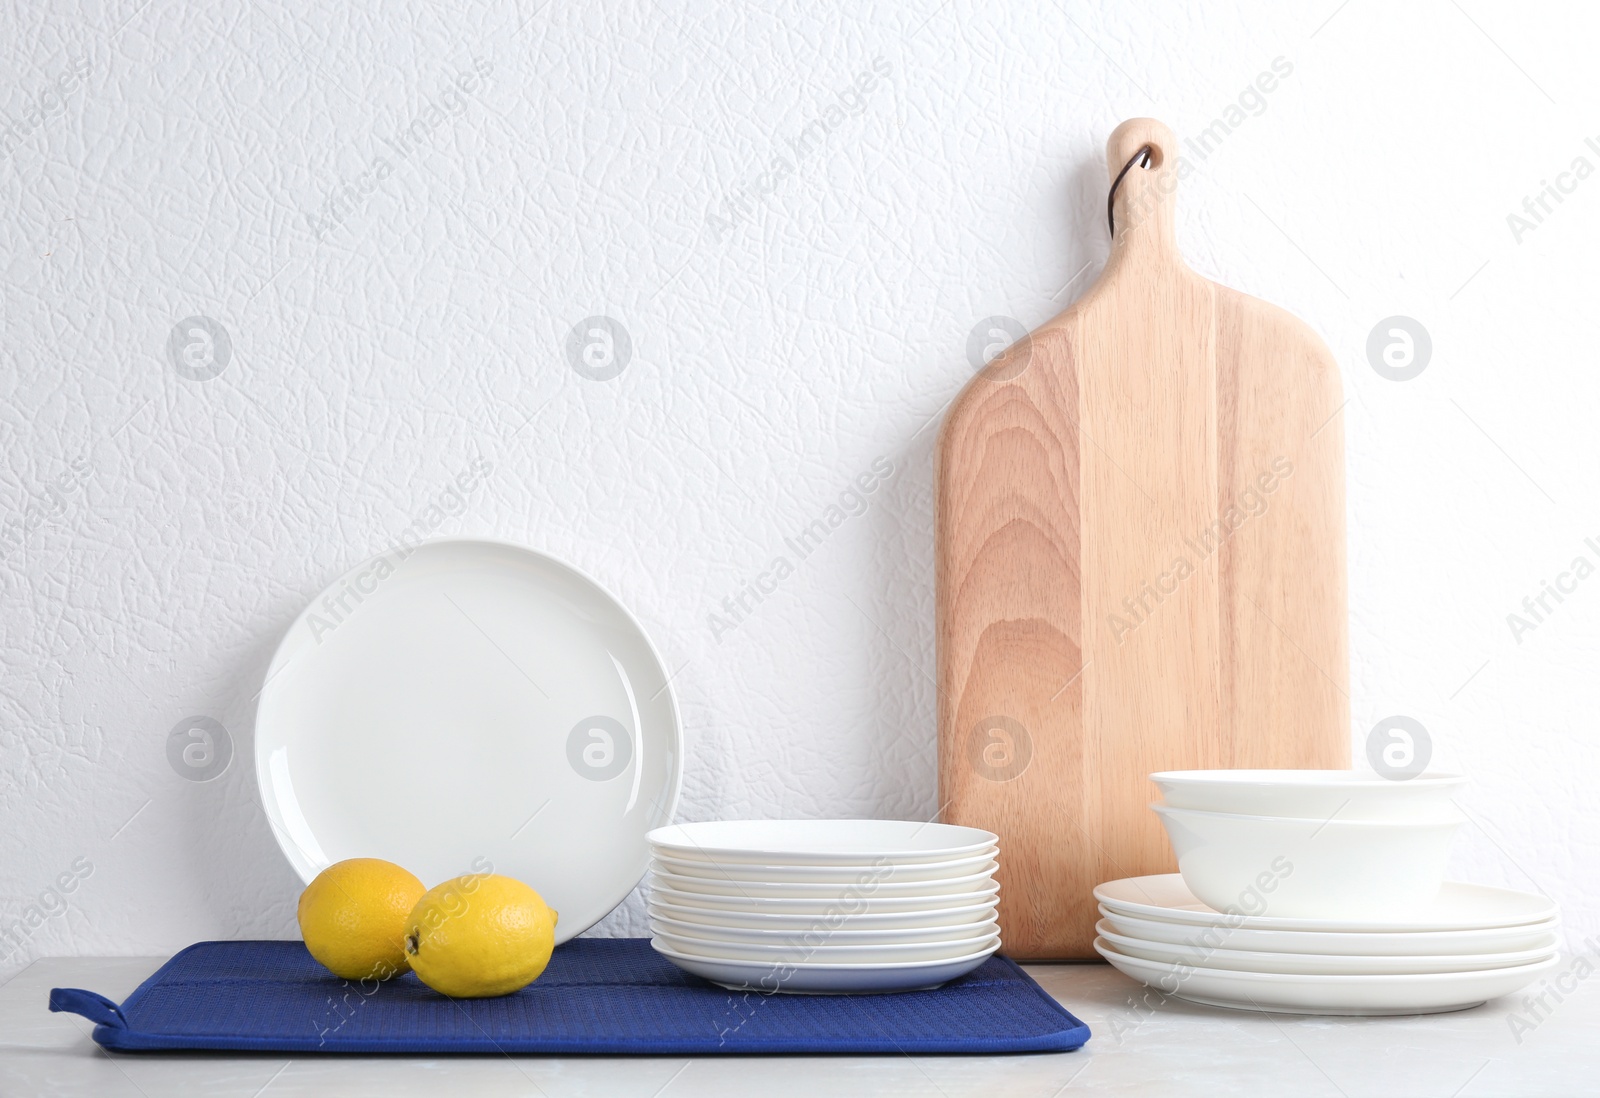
(851, 905)
(1296, 868)
(936, 919)
(868, 885)
(818, 933)
(1313, 794)
(826, 954)
(820, 842)
(825, 874)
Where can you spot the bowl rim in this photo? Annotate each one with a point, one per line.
(1309, 779)
(1303, 821)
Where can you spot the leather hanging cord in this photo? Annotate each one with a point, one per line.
(1143, 156)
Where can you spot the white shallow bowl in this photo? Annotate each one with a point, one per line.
(1310, 964)
(824, 979)
(875, 904)
(1313, 794)
(820, 842)
(937, 919)
(869, 886)
(825, 954)
(1413, 943)
(818, 933)
(1458, 906)
(1297, 868)
(825, 874)
(1425, 993)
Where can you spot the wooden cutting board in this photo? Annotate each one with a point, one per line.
(1141, 565)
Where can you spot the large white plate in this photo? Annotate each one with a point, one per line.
(824, 979)
(1429, 993)
(1411, 943)
(1457, 907)
(822, 842)
(471, 707)
(1310, 964)
(825, 874)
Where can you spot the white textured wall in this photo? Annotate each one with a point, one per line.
(398, 307)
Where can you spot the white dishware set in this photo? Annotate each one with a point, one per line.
(472, 706)
(824, 906)
(1320, 892)
(473, 672)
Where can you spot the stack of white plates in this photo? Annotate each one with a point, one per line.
(1469, 944)
(824, 905)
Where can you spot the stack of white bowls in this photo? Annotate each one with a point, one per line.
(824, 905)
(1320, 891)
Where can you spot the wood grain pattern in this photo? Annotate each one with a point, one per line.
(1140, 558)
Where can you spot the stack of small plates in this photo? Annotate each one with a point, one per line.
(1469, 944)
(824, 905)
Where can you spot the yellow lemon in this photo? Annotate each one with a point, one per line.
(353, 917)
(480, 935)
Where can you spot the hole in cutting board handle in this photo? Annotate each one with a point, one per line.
(1142, 198)
(1134, 134)
(1145, 157)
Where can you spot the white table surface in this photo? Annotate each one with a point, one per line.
(1171, 1048)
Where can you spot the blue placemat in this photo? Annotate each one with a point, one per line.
(614, 996)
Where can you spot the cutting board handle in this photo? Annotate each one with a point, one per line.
(1146, 199)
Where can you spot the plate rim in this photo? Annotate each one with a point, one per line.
(1268, 956)
(826, 946)
(1210, 918)
(743, 854)
(910, 893)
(671, 863)
(834, 934)
(813, 966)
(1549, 927)
(990, 905)
(983, 896)
(1334, 979)
(281, 655)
